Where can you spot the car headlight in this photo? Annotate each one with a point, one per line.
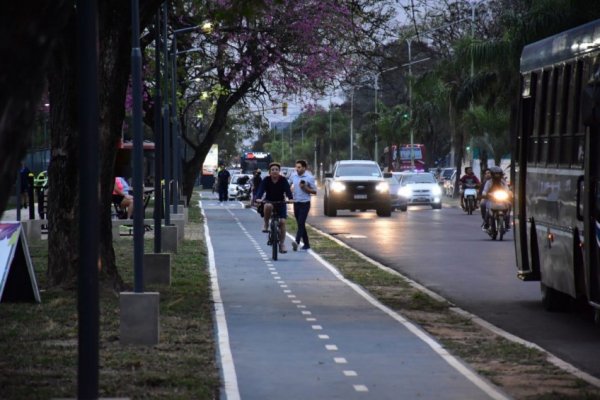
(405, 191)
(338, 186)
(500, 195)
(382, 187)
(436, 191)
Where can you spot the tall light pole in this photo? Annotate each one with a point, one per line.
(376, 88)
(352, 124)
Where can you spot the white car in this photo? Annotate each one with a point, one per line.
(232, 188)
(420, 188)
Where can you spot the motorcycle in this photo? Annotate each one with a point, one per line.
(497, 210)
(470, 199)
(243, 192)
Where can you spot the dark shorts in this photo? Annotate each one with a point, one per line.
(117, 199)
(281, 209)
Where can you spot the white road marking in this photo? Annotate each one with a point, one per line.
(350, 373)
(331, 347)
(296, 301)
(306, 312)
(317, 327)
(228, 366)
(301, 306)
(340, 360)
(482, 384)
(361, 388)
(324, 337)
(283, 286)
(287, 291)
(291, 296)
(311, 319)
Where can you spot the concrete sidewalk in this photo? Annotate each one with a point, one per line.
(296, 329)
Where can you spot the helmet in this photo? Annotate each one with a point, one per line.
(497, 172)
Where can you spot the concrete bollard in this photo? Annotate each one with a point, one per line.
(139, 318)
(169, 238)
(157, 269)
(179, 222)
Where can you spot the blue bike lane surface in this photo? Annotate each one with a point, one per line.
(296, 329)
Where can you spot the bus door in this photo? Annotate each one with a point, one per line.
(591, 196)
(528, 269)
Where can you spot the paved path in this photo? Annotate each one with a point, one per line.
(295, 329)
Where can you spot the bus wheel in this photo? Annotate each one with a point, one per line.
(597, 317)
(552, 299)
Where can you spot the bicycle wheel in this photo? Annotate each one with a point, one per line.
(274, 238)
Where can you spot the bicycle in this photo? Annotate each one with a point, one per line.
(274, 221)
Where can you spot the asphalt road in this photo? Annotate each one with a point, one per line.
(446, 251)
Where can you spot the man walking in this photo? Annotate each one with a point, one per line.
(303, 185)
(223, 182)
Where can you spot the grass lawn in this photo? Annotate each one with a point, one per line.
(38, 343)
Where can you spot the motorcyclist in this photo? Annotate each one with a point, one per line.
(487, 175)
(469, 179)
(496, 182)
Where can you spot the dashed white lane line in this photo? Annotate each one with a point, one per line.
(329, 347)
(361, 388)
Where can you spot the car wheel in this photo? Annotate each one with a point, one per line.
(330, 209)
(403, 208)
(384, 212)
(436, 206)
(326, 206)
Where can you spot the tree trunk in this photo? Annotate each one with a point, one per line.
(28, 32)
(63, 177)
(113, 70)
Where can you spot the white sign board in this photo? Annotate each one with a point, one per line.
(17, 277)
(211, 162)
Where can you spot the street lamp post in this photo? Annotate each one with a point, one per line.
(352, 124)
(376, 88)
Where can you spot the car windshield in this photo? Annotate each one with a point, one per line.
(358, 170)
(447, 173)
(418, 178)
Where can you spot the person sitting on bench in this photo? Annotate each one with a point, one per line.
(121, 196)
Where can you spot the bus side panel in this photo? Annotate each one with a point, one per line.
(551, 197)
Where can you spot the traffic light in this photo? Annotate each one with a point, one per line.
(406, 116)
(284, 109)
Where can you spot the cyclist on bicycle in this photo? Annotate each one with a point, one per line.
(274, 187)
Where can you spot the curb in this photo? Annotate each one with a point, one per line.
(551, 358)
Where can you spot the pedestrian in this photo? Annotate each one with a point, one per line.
(303, 186)
(256, 180)
(223, 178)
(24, 176)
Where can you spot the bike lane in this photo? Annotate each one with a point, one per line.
(295, 329)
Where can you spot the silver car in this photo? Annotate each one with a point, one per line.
(420, 188)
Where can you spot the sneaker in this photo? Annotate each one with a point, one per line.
(294, 246)
(305, 247)
(486, 227)
(282, 248)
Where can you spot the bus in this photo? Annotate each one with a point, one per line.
(400, 158)
(251, 161)
(556, 168)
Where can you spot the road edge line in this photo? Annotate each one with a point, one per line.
(230, 382)
(551, 358)
(485, 386)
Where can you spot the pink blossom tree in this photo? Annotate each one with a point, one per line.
(284, 49)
